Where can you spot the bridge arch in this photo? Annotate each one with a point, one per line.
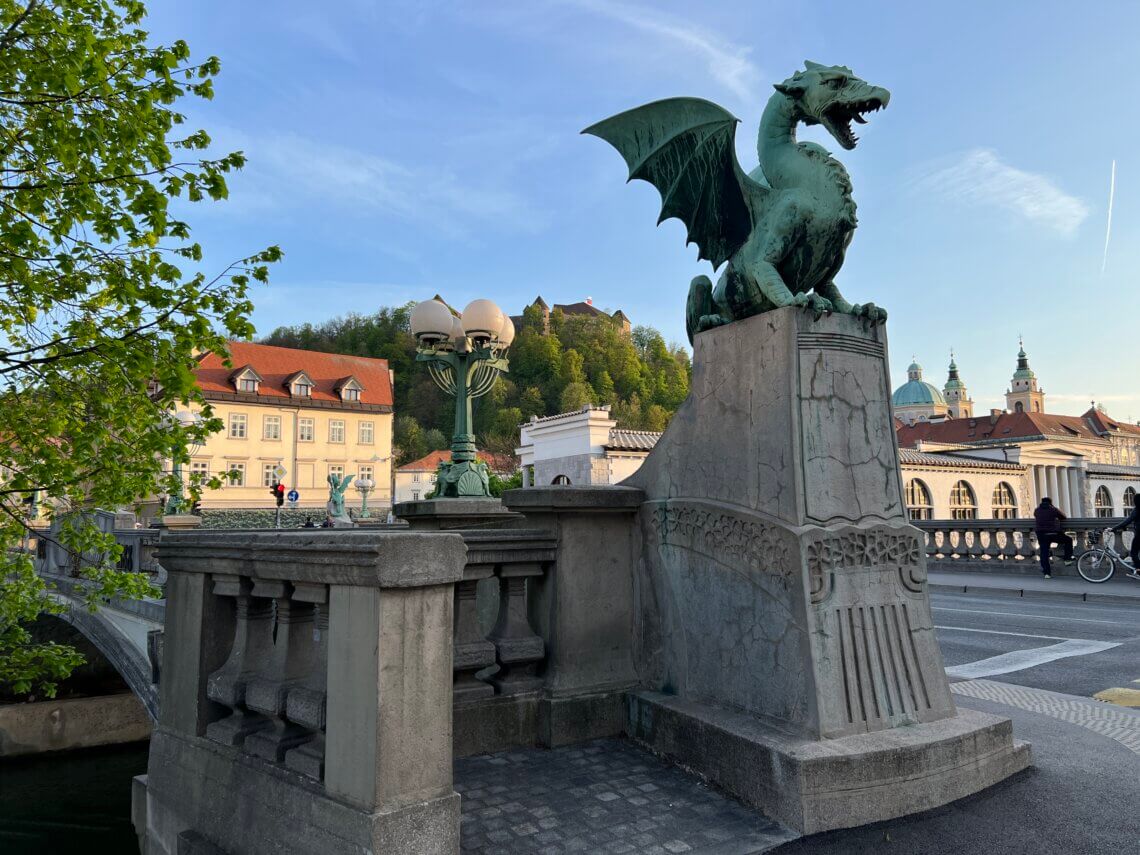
(128, 657)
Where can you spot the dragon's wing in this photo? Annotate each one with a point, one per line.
(685, 147)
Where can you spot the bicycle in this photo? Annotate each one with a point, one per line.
(1098, 563)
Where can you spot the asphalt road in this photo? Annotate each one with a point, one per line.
(1082, 794)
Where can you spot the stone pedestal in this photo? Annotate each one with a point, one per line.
(454, 514)
(782, 586)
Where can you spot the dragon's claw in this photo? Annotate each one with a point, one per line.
(869, 312)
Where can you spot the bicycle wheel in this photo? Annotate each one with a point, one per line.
(1096, 565)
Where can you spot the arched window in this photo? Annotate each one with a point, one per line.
(1103, 502)
(1004, 503)
(918, 503)
(561, 480)
(963, 504)
(1019, 407)
(1129, 500)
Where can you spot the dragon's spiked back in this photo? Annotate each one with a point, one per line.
(685, 147)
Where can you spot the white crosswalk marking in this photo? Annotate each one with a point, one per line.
(1019, 660)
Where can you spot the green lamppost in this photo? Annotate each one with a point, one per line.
(465, 356)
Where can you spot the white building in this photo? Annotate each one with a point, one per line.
(583, 447)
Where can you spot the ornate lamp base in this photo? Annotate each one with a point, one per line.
(462, 479)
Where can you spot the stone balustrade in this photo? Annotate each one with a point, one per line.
(307, 692)
(1005, 545)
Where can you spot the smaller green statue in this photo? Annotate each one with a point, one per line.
(337, 486)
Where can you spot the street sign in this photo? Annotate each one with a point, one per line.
(293, 496)
(280, 471)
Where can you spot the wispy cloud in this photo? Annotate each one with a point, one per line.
(727, 62)
(980, 177)
(309, 171)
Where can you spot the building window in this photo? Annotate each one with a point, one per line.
(415, 495)
(236, 474)
(337, 470)
(1129, 500)
(237, 425)
(302, 389)
(1004, 503)
(561, 480)
(268, 476)
(271, 428)
(415, 476)
(918, 502)
(199, 471)
(1103, 502)
(366, 433)
(306, 428)
(1019, 407)
(365, 472)
(963, 504)
(336, 430)
(350, 394)
(247, 384)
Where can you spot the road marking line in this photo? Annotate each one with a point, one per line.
(1037, 617)
(1019, 660)
(999, 632)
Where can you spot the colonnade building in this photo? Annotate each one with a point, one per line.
(960, 466)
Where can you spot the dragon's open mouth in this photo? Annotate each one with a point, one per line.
(838, 117)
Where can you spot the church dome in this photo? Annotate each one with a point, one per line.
(915, 392)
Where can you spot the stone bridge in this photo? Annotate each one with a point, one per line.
(127, 632)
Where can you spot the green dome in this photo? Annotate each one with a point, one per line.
(917, 393)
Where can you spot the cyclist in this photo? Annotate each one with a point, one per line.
(1047, 521)
(1133, 519)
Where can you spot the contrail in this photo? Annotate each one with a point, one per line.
(1108, 227)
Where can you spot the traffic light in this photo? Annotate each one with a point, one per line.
(278, 491)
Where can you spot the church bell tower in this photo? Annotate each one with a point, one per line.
(1023, 396)
(956, 395)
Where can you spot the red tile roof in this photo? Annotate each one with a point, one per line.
(1106, 424)
(1006, 427)
(498, 463)
(278, 364)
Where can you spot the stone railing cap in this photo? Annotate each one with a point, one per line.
(406, 559)
(571, 498)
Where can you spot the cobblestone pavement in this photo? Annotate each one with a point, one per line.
(1117, 723)
(606, 796)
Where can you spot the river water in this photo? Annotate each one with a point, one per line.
(70, 802)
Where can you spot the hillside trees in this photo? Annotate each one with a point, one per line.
(95, 309)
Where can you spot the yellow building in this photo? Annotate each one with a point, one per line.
(311, 413)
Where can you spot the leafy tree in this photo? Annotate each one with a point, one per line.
(95, 308)
(575, 396)
(408, 440)
(498, 484)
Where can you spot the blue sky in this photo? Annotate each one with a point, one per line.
(398, 149)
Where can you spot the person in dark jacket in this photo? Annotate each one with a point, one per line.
(1133, 520)
(1047, 520)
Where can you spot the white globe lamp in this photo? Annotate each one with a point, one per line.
(482, 319)
(431, 320)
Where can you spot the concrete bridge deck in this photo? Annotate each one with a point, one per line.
(604, 796)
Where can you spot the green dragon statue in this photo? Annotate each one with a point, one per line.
(784, 228)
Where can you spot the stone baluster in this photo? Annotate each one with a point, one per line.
(305, 704)
(1027, 544)
(473, 652)
(252, 639)
(291, 659)
(992, 550)
(518, 648)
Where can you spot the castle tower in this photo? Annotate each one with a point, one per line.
(1023, 396)
(957, 398)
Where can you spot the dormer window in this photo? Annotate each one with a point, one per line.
(245, 379)
(349, 389)
(300, 385)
